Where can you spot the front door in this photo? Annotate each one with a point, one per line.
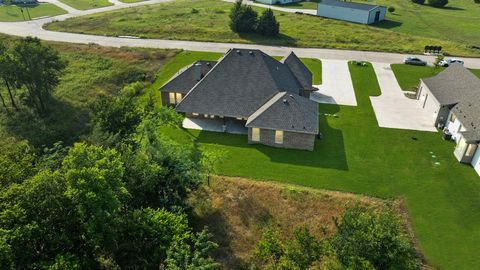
(377, 16)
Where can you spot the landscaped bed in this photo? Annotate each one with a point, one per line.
(355, 155)
(208, 20)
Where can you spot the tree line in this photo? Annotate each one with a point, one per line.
(29, 71)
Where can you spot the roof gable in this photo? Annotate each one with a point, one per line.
(299, 70)
(287, 112)
(454, 84)
(186, 79)
(352, 5)
(241, 82)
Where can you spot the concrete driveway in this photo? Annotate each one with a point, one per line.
(393, 109)
(337, 87)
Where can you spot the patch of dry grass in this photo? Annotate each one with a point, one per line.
(237, 211)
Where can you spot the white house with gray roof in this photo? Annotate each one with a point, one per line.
(453, 99)
(351, 11)
(269, 97)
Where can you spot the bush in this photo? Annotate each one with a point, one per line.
(377, 240)
(420, 2)
(267, 24)
(437, 3)
(391, 9)
(476, 1)
(194, 11)
(243, 19)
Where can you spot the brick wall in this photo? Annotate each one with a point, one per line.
(291, 140)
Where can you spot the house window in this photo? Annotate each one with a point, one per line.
(471, 150)
(178, 97)
(255, 134)
(279, 136)
(452, 117)
(171, 97)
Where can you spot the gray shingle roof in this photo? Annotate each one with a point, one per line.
(468, 113)
(351, 5)
(299, 70)
(453, 85)
(185, 80)
(241, 82)
(288, 112)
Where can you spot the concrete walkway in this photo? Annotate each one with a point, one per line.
(337, 87)
(393, 109)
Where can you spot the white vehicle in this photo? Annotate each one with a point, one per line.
(448, 62)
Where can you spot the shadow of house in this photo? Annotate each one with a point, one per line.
(387, 24)
(329, 151)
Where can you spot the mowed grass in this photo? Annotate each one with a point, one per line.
(86, 4)
(355, 155)
(91, 71)
(176, 20)
(13, 13)
(131, 1)
(458, 21)
(408, 76)
(300, 5)
(237, 211)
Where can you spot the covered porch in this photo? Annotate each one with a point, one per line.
(229, 125)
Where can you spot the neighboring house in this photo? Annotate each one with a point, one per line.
(277, 2)
(350, 11)
(269, 97)
(453, 99)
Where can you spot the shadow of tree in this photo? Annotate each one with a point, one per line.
(282, 39)
(64, 122)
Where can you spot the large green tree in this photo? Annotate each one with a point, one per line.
(7, 75)
(38, 68)
(267, 24)
(371, 239)
(243, 19)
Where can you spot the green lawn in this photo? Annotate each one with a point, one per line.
(14, 14)
(131, 1)
(176, 20)
(357, 156)
(86, 4)
(408, 76)
(455, 22)
(300, 5)
(315, 66)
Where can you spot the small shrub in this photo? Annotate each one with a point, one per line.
(391, 9)
(194, 11)
(420, 2)
(267, 24)
(476, 1)
(437, 3)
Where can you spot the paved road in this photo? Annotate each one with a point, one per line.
(34, 28)
(393, 109)
(337, 87)
(291, 10)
